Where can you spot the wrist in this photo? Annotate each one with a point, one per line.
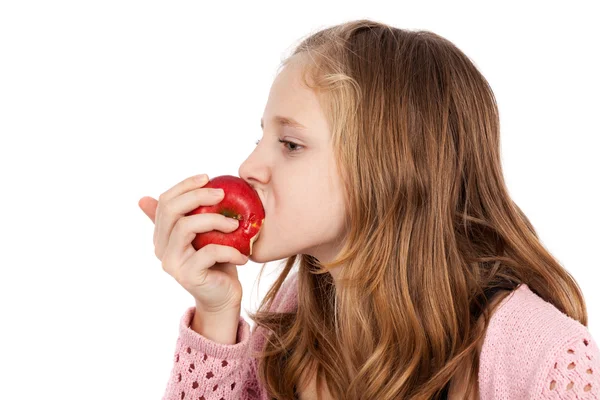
(224, 310)
(220, 327)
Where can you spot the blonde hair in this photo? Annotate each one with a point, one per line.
(416, 138)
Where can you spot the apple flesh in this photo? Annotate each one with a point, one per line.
(240, 202)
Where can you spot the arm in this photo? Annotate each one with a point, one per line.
(229, 369)
(221, 328)
(204, 367)
(574, 370)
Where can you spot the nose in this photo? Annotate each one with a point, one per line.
(248, 174)
(255, 170)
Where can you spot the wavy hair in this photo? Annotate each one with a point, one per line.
(416, 136)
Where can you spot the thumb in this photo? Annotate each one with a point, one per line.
(148, 206)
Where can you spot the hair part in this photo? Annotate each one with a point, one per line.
(416, 138)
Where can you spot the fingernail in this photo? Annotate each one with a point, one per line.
(233, 221)
(217, 192)
(201, 178)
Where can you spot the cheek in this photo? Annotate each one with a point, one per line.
(291, 209)
(304, 201)
(307, 211)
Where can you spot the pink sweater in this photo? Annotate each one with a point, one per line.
(531, 351)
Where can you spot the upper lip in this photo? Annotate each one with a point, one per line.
(261, 198)
(260, 195)
(259, 192)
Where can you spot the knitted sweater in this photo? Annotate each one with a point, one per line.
(531, 350)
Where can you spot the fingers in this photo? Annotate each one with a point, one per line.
(196, 267)
(171, 212)
(148, 206)
(186, 228)
(186, 185)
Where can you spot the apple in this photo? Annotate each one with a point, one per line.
(240, 202)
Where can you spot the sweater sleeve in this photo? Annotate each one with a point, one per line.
(207, 370)
(574, 371)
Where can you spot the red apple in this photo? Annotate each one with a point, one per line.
(240, 202)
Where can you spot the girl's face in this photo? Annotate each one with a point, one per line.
(297, 182)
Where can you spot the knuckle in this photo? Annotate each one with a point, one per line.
(218, 220)
(167, 208)
(181, 224)
(230, 252)
(185, 227)
(212, 251)
(181, 278)
(168, 264)
(178, 224)
(235, 253)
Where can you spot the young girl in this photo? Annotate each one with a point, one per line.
(417, 275)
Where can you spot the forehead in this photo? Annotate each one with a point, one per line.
(289, 96)
(289, 79)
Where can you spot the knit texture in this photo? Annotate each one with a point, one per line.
(534, 351)
(531, 350)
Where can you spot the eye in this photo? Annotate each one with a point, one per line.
(286, 142)
(290, 143)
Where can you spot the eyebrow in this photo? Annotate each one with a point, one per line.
(285, 121)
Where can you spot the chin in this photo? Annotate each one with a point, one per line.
(254, 257)
(259, 255)
(263, 257)
(262, 254)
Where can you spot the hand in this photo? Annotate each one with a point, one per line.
(209, 274)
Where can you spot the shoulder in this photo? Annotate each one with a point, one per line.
(531, 348)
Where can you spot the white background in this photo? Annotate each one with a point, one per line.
(104, 102)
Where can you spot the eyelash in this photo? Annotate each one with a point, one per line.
(286, 142)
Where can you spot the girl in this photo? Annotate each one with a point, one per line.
(417, 275)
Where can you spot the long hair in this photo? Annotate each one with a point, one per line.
(431, 225)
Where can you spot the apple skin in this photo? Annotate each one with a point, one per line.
(240, 202)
